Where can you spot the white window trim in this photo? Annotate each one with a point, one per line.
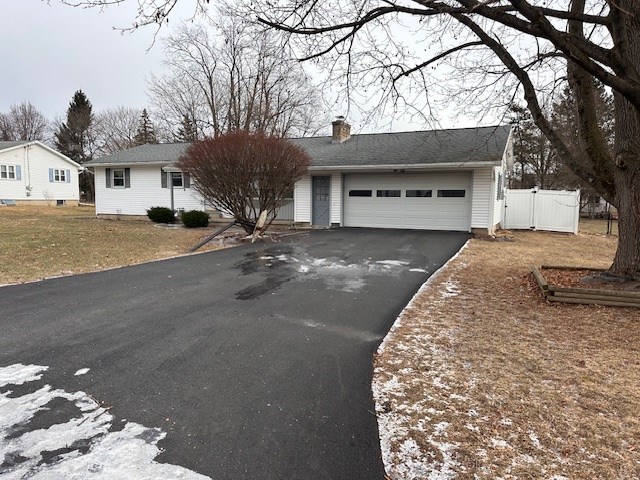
(113, 178)
(59, 175)
(171, 176)
(8, 171)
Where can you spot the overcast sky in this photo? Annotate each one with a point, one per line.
(50, 51)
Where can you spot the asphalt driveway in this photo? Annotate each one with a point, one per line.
(255, 360)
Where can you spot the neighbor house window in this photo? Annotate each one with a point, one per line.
(118, 178)
(8, 172)
(59, 175)
(418, 193)
(451, 193)
(387, 193)
(359, 193)
(177, 179)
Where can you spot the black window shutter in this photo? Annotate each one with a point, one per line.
(107, 174)
(127, 178)
(163, 176)
(187, 180)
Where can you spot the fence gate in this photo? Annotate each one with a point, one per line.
(553, 210)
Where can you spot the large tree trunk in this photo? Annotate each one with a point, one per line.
(626, 33)
(627, 181)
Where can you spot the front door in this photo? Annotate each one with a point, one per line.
(321, 204)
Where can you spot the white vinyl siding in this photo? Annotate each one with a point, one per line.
(145, 191)
(302, 200)
(385, 209)
(31, 169)
(336, 198)
(482, 195)
(498, 197)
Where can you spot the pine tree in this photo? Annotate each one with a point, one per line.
(146, 132)
(73, 138)
(188, 131)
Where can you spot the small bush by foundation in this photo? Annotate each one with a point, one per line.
(195, 219)
(161, 215)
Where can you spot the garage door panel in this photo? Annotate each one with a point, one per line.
(417, 211)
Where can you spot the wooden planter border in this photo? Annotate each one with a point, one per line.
(586, 296)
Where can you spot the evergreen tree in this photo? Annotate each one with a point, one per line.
(188, 131)
(73, 138)
(146, 132)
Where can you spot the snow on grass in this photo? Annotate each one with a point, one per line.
(402, 421)
(56, 452)
(82, 371)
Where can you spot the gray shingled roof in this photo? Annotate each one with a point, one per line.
(483, 144)
(5, 145)
(151, 153)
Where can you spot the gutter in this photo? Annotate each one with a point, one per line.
(405, 167)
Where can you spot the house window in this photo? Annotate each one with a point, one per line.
(418, 193)
(387, 193)
(177, 179)
(451, 193)
(59, 175)
(359, 193)
(8, 172)
(118, 178)
(500, 188)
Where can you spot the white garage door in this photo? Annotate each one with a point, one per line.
(428, 201)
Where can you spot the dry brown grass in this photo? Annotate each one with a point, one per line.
(520, 388)
(597, 226)
(39, 242)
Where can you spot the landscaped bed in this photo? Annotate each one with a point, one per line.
(40, 242)
(482, 378)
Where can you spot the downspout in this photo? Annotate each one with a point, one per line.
(170, 174)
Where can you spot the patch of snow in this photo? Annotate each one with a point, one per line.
(472, 412)
(506, 422)
(18, 374)
(440, 428)
(534, 439)
(392, 263)
(499, 443)
(303, 269)
(420, 270)
(437, 382)
(82, 371)
(450, 289)
(471, 427)
(128, 453)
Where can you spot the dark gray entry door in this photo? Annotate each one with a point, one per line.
(321, 204)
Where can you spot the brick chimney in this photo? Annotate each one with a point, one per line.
(341, 130)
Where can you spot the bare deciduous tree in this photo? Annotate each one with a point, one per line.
(23, 121)
(233, 77)
(115, 129)
(242, 174)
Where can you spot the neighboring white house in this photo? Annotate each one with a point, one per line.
(433, 180)
(32, 172)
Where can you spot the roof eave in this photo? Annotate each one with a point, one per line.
(416, 166)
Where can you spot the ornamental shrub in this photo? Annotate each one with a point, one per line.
(195, 219)
(161, 215)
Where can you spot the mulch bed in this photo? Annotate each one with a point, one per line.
(585, 278)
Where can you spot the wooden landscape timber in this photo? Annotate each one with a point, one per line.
(585, 296)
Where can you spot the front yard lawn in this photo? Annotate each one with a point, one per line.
(481, 378)
(39, 242)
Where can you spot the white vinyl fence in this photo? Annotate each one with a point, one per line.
(553, 210)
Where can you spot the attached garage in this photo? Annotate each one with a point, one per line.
(426, 201)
